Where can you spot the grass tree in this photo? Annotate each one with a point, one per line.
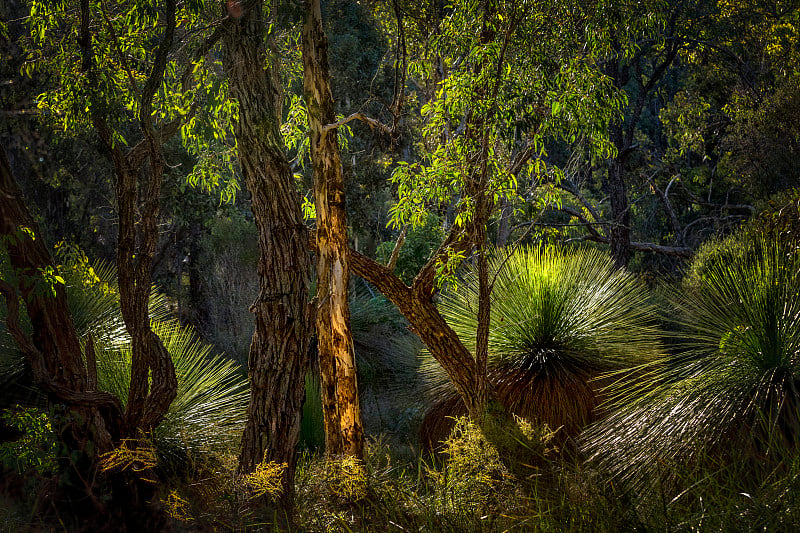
(496, 96)
(560, 319)
(52, 347)
(208, 412)
(734, 389)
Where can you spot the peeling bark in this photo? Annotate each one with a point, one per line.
(344, 433)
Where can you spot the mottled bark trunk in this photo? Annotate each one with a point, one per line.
(279, 351)
(53, 349)
(344, 434)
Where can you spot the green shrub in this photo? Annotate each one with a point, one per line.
(559, 319)
(473, 476)
(732, 392)
(36, 448)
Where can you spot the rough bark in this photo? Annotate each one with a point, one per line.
(344, 433)
(53, 349)
(278, 357)
(153, 384)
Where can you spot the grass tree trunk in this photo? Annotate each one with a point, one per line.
(344, 434)
(278, 357)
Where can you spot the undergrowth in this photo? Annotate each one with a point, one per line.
(464, 488)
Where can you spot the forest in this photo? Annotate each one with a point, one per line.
(399, 265)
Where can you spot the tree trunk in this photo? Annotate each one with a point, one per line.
(619, 233)
(496, 423)
(53, 350)
(504, 223)
(344, 434)
(278, 357)
(153, 384)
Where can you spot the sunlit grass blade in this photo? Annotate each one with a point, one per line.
(560, 319)
(735, 384)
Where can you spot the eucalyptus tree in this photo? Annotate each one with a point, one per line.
(711, 88)
(278, 357)
(505, 76)
(118, 71)
(344, 433)
(639, 50)
(132, 73)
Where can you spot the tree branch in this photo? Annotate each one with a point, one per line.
(371, 122)
(396, 250)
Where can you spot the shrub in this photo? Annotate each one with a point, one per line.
(559, 319)
(473, 476)
(733, 391)
(36, 448)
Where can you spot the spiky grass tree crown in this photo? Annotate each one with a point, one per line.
(559, 318)
(734, 386)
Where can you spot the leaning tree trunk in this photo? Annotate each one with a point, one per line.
(344, 434)
(53, 349)
(417, 306)
(279, 351)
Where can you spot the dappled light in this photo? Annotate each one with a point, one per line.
(390, 265)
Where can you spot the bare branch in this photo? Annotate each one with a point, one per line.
(396, 250)
(664, 197)
(568, 186)
(371, 122)
(674, 251)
